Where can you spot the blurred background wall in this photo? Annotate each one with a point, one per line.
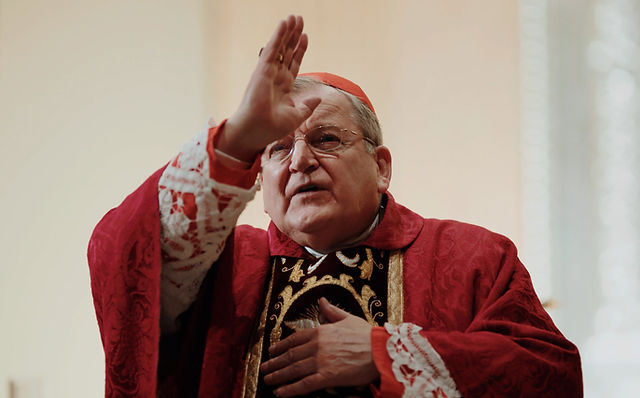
(489, 109)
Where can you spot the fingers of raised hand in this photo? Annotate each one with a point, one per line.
(270, 52)
(293, 40)
(298, 54)
(287, 44)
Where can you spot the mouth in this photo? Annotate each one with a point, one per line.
(307, 189)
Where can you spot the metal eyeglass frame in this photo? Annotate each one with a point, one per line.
(319, 151)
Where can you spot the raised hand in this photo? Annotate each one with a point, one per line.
(268, 110)
(330, 355)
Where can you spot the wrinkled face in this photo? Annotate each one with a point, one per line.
(323, 200)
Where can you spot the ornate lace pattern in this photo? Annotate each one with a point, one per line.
(417, 365)
(197, 214)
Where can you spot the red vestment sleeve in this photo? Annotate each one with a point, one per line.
(125, 263)
(511, 348)
(484, 329)
(126, 256)
(224, 173)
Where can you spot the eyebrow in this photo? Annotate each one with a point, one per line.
(306, 130)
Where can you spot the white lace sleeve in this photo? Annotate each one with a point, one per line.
(197, 214)
(417, 365)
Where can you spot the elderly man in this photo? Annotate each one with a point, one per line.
(347, 294)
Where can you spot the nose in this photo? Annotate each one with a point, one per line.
(302, 158)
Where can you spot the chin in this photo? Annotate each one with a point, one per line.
(309, 223)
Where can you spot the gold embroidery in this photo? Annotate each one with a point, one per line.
(283, 306)
(287, 298)
(296, 272)
(395, 299)
(286, 293)
(254, 355)
(366, 268)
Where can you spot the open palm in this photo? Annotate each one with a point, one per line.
(268, 111)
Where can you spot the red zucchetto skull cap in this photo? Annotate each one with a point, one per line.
(341, 83)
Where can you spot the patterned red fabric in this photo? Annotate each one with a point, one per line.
(478, 309)
(124, 260)
(463, 285)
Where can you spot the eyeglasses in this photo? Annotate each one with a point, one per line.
(321, 140)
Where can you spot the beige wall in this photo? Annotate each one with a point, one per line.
(94, 96)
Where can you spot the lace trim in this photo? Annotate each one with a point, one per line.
(417, 365)
(197, 214)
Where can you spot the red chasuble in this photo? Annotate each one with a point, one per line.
(461, 284)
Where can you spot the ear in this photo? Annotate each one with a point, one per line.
(382, 157)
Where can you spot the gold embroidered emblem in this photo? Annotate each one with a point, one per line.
(367, 300)
(296, 272)
(346, 279)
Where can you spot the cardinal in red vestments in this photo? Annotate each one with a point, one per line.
(347, 293)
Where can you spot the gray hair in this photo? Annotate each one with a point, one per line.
(363, 115)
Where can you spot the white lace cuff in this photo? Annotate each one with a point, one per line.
(197, 214)
(417, 365)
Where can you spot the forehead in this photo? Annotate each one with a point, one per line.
(334, 108)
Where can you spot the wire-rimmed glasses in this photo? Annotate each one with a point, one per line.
(321, 140)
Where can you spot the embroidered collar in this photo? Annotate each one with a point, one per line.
(397, 229)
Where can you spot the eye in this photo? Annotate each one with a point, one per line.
(325, 140)
(280, 149)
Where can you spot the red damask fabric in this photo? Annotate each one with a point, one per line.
(476, 305)
(463, 285)
(125, 263)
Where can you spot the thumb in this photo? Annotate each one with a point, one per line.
(308, 106)
(331, 312)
